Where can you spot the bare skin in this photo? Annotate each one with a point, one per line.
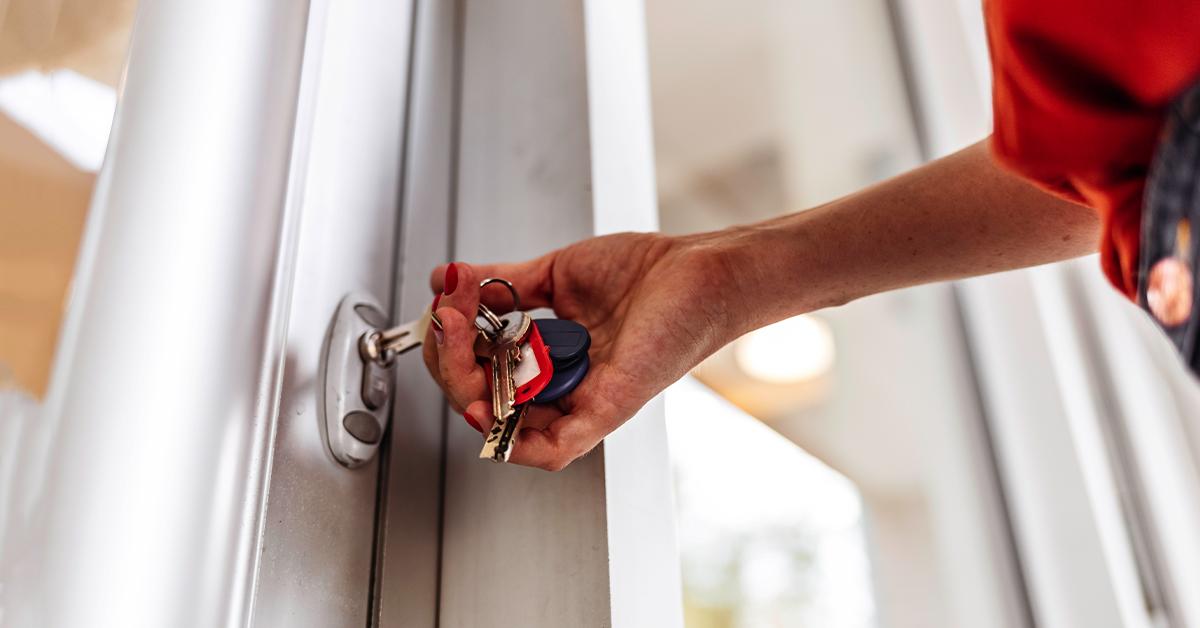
(657, 305)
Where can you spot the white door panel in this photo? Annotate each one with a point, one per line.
(318, 533)
(267, 159)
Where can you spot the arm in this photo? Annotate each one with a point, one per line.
(956, 217)
(657, 305)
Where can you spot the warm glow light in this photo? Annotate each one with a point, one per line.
(789, 351)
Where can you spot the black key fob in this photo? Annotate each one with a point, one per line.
(568, 341)
(564, 380)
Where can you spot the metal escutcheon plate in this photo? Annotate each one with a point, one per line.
(356, 394)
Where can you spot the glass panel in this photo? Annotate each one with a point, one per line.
(769, 536)
(864, 413)
(60, 63)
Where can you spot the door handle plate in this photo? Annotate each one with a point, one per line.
(356, 393)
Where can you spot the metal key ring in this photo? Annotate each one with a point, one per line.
(507, 284)
(490, 316)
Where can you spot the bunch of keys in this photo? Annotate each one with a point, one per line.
(526, 361)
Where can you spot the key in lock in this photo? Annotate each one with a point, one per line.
(358, 375)
(356, 392)
(361, 349)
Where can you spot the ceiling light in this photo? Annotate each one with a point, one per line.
(790, 351)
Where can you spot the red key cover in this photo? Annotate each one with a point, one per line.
(541, 353)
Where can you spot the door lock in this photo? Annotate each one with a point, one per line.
(357, 390)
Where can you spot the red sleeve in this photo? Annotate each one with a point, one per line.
(1079, 93)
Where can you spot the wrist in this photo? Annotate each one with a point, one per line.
(735, 276)
(766, 272)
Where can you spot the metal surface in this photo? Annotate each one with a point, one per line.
(241, 197)
(142, 486)
(355, 391)
(318, 535)
(524, 186)
(409, 534)
(512, 152)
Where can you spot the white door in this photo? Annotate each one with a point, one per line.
(268, 158)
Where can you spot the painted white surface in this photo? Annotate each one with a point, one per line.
(1054, 516)
(317, 539)
(409, 555)
(644, 578)
(148, 511)
(554, 145)
(624, 197)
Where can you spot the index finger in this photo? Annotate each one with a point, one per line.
(531, 279)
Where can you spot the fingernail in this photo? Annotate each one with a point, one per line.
(451, 280)
(472, 422)
(438, 335)
(437, 298)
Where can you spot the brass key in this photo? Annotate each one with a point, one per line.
(506, 351)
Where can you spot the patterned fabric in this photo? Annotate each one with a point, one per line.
(1173, 197)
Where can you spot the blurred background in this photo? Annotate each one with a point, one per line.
(1017, 450)
(60, 63)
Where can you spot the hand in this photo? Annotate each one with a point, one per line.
(651, 304)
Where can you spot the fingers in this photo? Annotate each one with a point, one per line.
(460, 289)
(462, 379)
(548, 439)
(481, 412)
(450, 352)
(532, 280)
(559, 443)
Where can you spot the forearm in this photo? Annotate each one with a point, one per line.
(956, 217)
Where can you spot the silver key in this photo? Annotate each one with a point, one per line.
(383, 345)
(506, 351)
(502, 449)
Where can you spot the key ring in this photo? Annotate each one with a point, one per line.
(491, 318)
(507, 284)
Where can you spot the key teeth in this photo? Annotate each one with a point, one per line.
(500, 441)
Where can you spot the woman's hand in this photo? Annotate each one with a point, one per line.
(652, 304)
(657, 305)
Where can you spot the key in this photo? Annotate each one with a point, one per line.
(534, 368)
(505, 354)
(568, 341)
(502, 449)
(382, 346)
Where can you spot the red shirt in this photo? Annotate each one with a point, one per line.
(1080, 90)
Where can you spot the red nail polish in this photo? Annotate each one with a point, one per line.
(436, 299)
(451, 280)
(472, 422)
